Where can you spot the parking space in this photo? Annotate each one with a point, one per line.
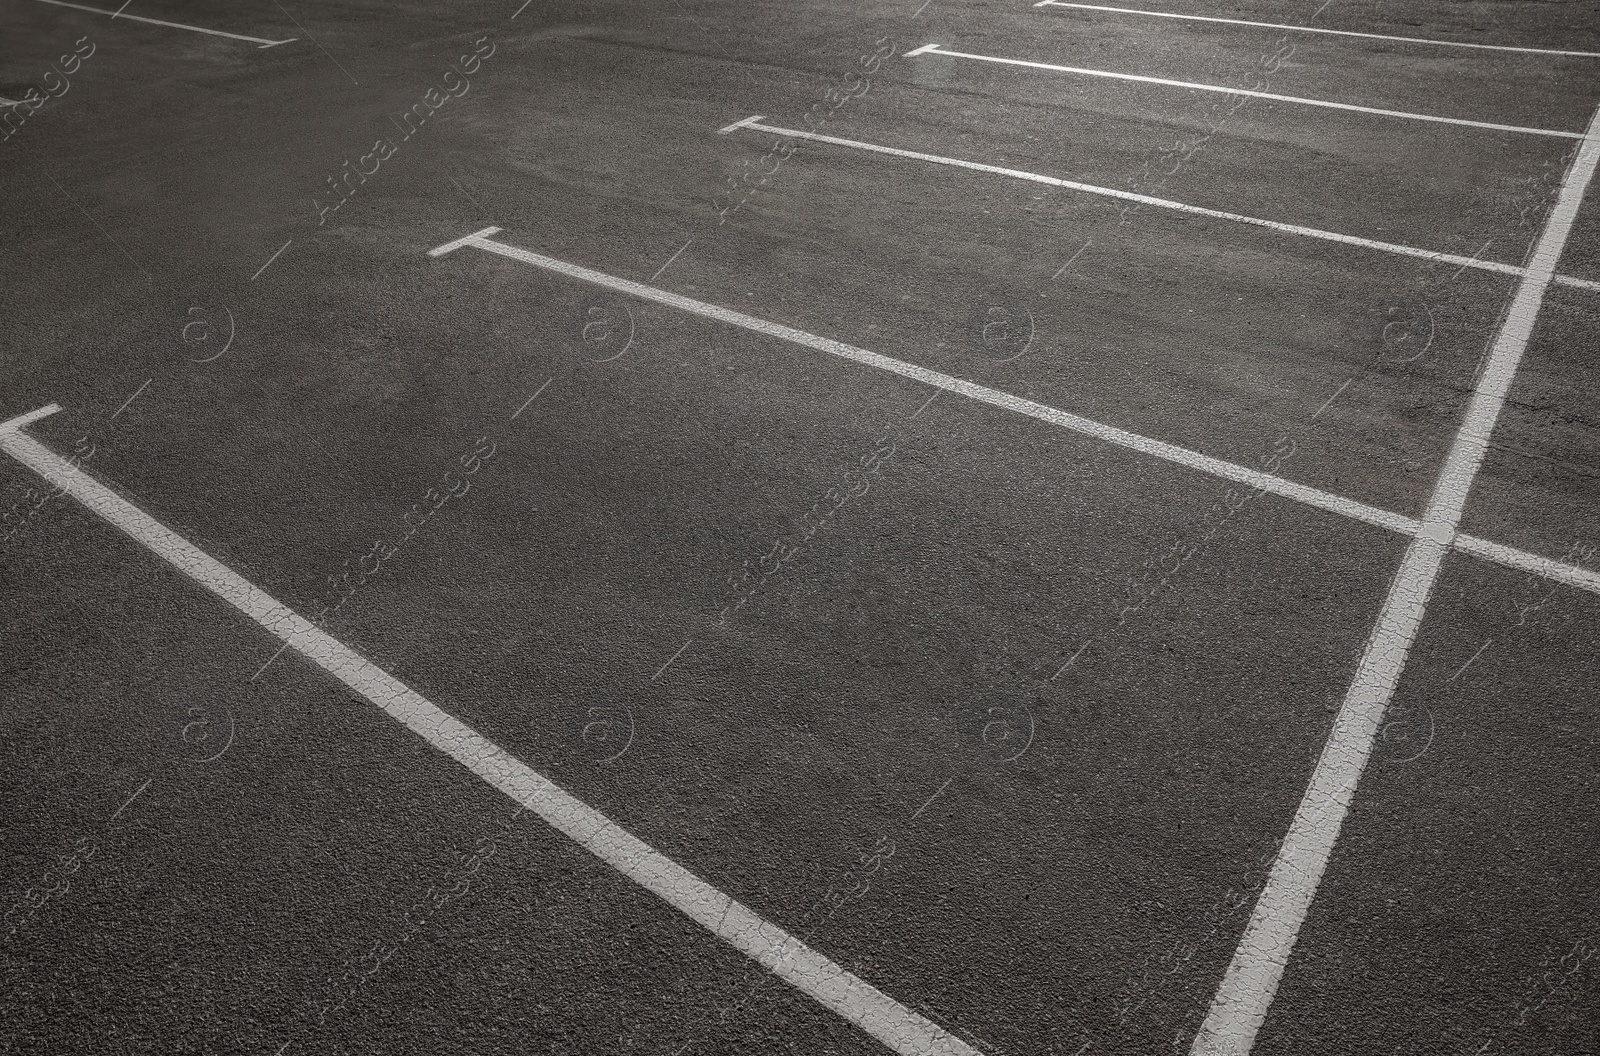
(947, 517)
(1457, 915)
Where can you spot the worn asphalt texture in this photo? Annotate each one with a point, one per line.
(1076, 848)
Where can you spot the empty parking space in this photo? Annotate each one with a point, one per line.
(1468, 846)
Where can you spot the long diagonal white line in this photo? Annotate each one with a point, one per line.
(786, 956)
(1309, 496)
(934, 49)
(1160, 203)
(1319, 29)
(172, 25)
(1251, 981)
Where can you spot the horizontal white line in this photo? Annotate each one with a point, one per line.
(1122, 438)
(1301, 493)
(174, 25)
(1582, 284)
(869, 1008)
(935, 49)
(22, 421)
(1317, 29)
(1165, 203)
(1582, 578)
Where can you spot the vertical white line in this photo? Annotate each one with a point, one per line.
(1251, 982)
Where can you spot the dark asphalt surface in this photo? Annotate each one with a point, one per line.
(200, 854)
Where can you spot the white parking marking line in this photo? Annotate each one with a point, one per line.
(1314, 29)
(174, 25)
(1572, 576)
(1121, 437)
(1301, 493)
(1247, 990)
(1162, 203)
(739, 124)
(786, 956)
(934, 49)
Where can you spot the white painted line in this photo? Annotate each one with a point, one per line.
(1322, 500)
(1582, 284)
(935, 49)
(465, 240)
(786, 956)
(1252, 979)
(173, 25)
(1165, 203)
(1475, 256)
(1314, 29)
(22, 421)
(1120, 437)
(738, 125)
(1572, 576)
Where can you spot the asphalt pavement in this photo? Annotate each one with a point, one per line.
(933, 527)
